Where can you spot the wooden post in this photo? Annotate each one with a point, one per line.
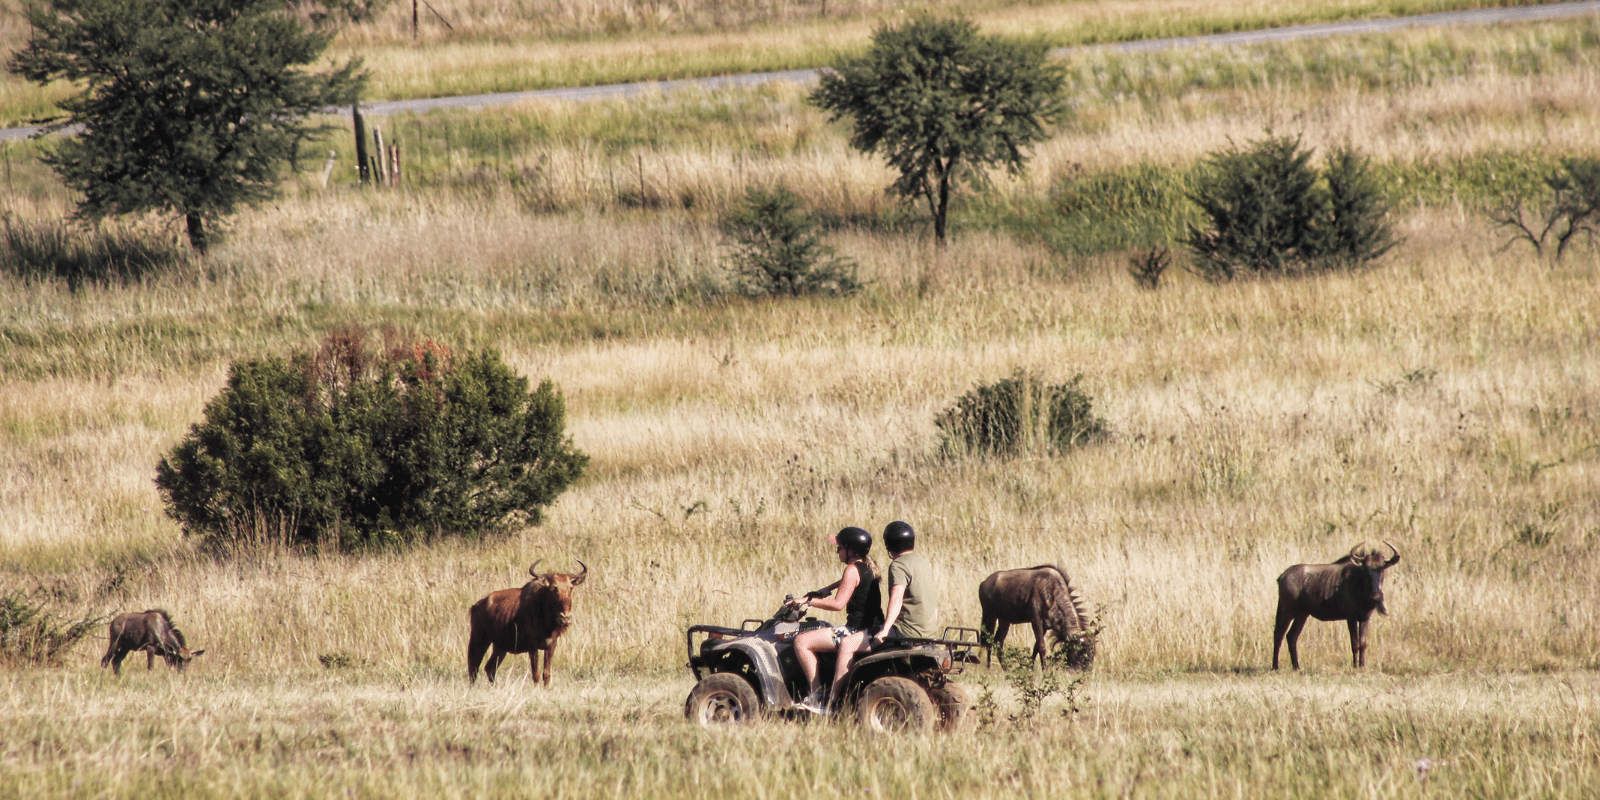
(327, 168)
(394, 164)
(413, 20)
(378, 160)
(362, 171)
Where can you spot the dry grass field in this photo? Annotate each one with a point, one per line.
(1447, 400)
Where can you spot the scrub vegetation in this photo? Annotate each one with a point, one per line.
(1446, 399)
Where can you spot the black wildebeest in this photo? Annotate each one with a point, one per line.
(1348, 589)
(151, 631)
(1041, 596)
(524, 620)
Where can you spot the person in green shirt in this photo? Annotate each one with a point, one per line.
(913, 611)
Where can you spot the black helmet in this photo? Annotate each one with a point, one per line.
(898, 537)
(854, 539)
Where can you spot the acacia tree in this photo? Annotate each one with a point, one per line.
(943, 103)
(187, 106)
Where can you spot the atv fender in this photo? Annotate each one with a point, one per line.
(764, 658)
(918, 659)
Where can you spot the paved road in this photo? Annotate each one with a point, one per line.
(1476, 17)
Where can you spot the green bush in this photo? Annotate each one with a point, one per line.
(776, 249)
(350, 448)
(1269, 211)
(1021, 413)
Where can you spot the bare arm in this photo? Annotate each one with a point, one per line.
(824, 591)
(847, 587)
(897, 599)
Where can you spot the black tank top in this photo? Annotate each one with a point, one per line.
(864, 610)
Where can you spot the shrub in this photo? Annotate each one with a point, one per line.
(1021, 413)
(776, 249)
(1571, 208)
(1354, 229)
(1148, 267)
(29, 631)
(352, 448)
(1269, 211)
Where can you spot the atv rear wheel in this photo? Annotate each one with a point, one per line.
(954, 702)
(723, 698)
(893, 705)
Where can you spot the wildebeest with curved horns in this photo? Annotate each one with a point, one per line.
(1349, 589)
(1041, 596)
(524, 620)
(151, 631)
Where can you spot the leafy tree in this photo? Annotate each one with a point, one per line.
(1269, 210)
(776, 249)
(943, 103)
(1570, 208)
(366, 448)
(187, 106)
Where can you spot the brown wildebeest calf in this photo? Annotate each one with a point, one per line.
(151, 631)
(524, 620)
(1041, 596)
(1349, 589)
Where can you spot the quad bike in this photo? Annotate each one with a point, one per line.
(902, 684)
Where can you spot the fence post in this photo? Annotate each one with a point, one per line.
(327, 168)
(378, 161)
(361, 144)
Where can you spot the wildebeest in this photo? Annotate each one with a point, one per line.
(151, 631)
(524, 620)
(1348, 589)
(1042, 596)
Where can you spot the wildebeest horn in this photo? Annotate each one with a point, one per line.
(1391, 562)
(532, 570)
(577, 579)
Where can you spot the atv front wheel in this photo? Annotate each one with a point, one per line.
(893, 704)
(722, 699)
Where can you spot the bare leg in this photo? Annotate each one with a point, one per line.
(847, 652)
(806, 646)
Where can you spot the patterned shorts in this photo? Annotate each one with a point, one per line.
(842, 632)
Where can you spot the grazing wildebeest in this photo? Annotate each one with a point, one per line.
(151, 631)
(1042, 596)
(524, 620)
(1348, 589)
